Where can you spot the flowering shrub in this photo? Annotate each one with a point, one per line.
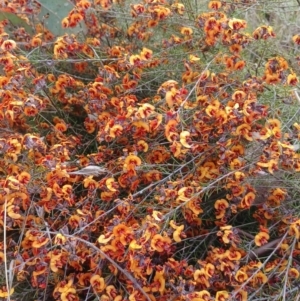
(130, 151)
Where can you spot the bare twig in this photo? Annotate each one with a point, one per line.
(5, 253)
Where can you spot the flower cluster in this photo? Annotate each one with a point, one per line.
(125, 177)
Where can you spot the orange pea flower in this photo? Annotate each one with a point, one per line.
(202, 295)
(30, 110)
(292, 79)
(221, 204)
(238, 96)
(8, 45)
(160, 243)
(241, 276)
(237, 24)
(185, 139)
(131, 162)
(272, 165)
(158, 284)
(97, 283)
(263, 32)
(296, 39)
(146, 54)
(4, 293)
(200, 276)
(187, 31)
(145, 110)
(294, 229)
(111, 184)
(277, 196)
(61, 126)
(104, 239)
(134, 245)
(185, 194)
(240, 295)
(222, 296)
(127, 83)
(135, 60)
(261, 238)
(193, 58)
(137, 9)
(123, 233)
(13, 210)
(244, 130)
(260, 278)
(60, 239)
(142, 146)
(141, 128)
(209, 269)
(214, 5)
(213, 108)
(178, 8)
(194, 205)
(24, 177)
(115, 131)
(248, 200)
(177, 232)
(293, 273)
(67, 293)
(227, 234)
(56, 261)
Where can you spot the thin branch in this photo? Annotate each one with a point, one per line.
(5, 253)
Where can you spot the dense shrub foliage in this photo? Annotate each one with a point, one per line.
(138, 160)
